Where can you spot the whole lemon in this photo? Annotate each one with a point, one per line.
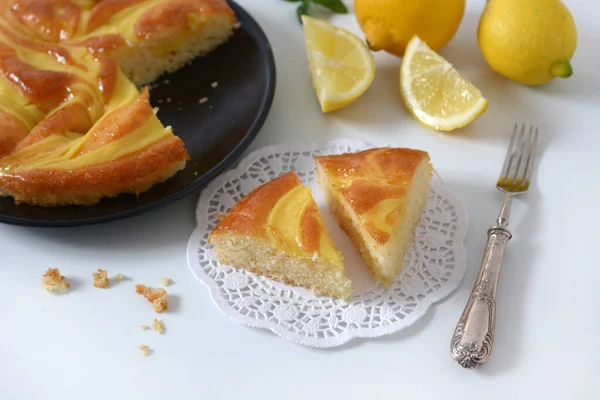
(390, 24)
(530, 41)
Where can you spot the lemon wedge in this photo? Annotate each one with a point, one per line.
(434, 92)
(341, 64)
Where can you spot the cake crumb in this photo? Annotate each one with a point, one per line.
(166, 81)
(53, 281)
(158, 326)
(101, 279)
(166, 281)
(158, 297)
(214, 84)
(144, 327)
(120, 276)
(168, 99)
(195, 173)
(203, 100)
(159, 101)
(145, 350)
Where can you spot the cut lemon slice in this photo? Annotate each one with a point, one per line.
(341, 64)
(434, 92)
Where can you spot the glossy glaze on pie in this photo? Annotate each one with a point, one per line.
(278, 231)
(74, 127)
(377, 196)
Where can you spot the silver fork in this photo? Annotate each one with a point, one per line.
(473, 337)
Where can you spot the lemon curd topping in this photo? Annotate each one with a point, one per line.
(48, 81)
(382, 216)
(38, 85)
(295, 226)
(376, 196)
(374, 183)
(76, 123)
(277, 231)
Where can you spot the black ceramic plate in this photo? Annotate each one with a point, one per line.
(215, 133)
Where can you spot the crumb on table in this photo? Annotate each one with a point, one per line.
(101, 279)
(166, 281)
(203, 100)
(53, 281)
(158, 297)
(158, 326)
(214, 84)
(145, 350)
(120, 276)
(144, 327)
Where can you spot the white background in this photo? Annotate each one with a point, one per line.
(84, 344)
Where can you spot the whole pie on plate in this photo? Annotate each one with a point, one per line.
(277, 231)
(74, 127)
(377, 196)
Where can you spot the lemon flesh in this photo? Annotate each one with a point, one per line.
(434, 92)
(341, 65)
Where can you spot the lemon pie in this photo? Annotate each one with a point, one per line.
(277, 231)
(74, 127)
(377, 196)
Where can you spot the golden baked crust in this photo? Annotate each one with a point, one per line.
(368, 178)
(73, 126)
(253, 216)
(278, 231)
(377, 197)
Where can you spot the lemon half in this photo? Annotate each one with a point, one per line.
(434, 92)
(341, 64)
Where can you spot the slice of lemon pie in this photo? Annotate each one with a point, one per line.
(377, 196)
(277, 231)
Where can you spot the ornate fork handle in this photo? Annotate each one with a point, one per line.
(474, 334)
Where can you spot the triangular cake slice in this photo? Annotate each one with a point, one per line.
(277, 231)
(377, 196)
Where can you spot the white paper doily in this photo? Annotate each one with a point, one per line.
(433, 268)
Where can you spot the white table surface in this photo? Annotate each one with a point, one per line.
(84, 344)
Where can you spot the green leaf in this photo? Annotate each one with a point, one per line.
(302, 10)
(334, 5)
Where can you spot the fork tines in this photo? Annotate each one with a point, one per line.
(520, 158)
